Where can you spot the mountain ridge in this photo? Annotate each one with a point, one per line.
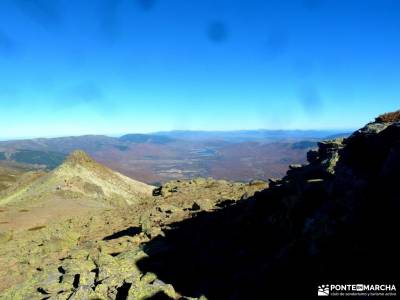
(81, 177)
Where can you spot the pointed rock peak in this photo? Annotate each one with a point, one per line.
(79, 157)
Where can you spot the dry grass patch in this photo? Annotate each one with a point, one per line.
(389, 117)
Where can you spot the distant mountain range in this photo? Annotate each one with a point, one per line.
(260, 135)
(146, 138)
(153, 158)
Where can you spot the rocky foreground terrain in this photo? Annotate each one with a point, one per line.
(333, 220)
(91, 254)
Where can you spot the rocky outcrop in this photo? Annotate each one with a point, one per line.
(79, 157)
(202, 189)
(89, 274)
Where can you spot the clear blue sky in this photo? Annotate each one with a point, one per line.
(70, 67)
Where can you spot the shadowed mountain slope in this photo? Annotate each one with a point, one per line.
(38, 159)
(333, 221)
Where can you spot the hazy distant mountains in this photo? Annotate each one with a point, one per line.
(146, 138)
(153, 158)
(261, 135)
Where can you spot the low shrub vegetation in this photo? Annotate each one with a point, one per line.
(389, 117)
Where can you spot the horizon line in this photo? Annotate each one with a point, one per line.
(117, 135)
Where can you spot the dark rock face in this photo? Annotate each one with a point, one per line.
(333, 221)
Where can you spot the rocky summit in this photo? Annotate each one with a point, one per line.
(333, 220)
(80, 157)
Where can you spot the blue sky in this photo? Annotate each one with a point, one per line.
(70, 67)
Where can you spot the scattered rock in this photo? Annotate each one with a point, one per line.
(195, 207)
(295, 166)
